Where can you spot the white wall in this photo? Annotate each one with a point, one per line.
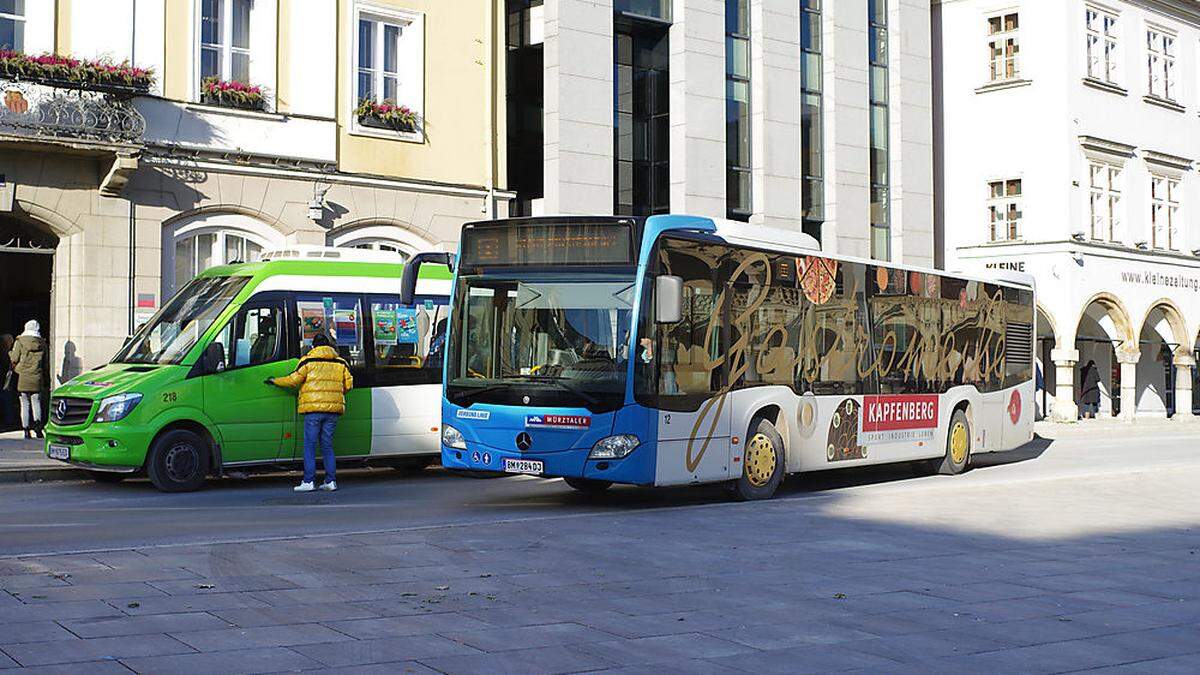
(39, 26)
(311, 60)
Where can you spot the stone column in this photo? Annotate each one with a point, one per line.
(698, 108)
(1064, 360)
(578, 108)
(774, 113)
(1184, 363)
(1128, 356)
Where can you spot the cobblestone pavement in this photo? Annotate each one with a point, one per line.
(1006, 569)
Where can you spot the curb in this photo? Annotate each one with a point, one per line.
(39, 475)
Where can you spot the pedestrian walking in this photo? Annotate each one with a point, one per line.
(8, 383)
(1090, 386)
(323, 379)
(28, 358)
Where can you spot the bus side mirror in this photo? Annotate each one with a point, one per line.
(412, 268)
(668, 299)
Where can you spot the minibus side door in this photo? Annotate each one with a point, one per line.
(254, 419)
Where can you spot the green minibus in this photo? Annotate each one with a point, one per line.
(185, 397)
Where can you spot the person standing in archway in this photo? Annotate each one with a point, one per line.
(29, 362)
(1090, 386)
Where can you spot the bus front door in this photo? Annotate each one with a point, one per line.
(253, 419)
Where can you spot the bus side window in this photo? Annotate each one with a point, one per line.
(409, 342)
(339, 317)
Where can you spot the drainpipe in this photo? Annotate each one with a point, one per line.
(132, 263)
(490, 69)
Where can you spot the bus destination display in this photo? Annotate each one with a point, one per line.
(562, 244)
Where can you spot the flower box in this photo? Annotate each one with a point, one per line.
(386, 115)
(232, 94)
(68, 73)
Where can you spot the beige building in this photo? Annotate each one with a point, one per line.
(262, 123)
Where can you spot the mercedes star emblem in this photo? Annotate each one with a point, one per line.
(525, 400)
(61, 408)
(524, 441)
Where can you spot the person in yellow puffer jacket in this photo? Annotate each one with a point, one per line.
(323, 379)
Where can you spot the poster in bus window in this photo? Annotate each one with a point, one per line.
(386, 328)
(312, 320)
(408, 332)
(345, 327)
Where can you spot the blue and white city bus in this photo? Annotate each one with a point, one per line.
(674, 350)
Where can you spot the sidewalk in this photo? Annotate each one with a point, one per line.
(1111, 426)
(24, 461)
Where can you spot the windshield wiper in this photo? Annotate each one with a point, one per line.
(561, 381)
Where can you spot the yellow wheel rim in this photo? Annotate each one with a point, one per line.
(959, 442)
(760, 460)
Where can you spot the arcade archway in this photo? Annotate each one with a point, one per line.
(26, 281)
(1162, 341)
(1104, 340)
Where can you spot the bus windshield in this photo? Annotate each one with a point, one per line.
(172, 333)
(558, 342)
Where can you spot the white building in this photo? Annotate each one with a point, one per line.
(1068, 135)
(799, 114)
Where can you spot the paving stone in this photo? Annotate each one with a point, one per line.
(279, 616)
(6, 662)
(49, 653)
(364, 629)
(782, 635)
(539, 661)
(234, 662)
(808, 659)
(500, 639)
(666, 649)
(263, 636)
(392, 668)
(33, 631)
(212, 586)
(135, 625)
(384, 650)
(108, 667)
(86, 592)
(167, 604)
(57, 610)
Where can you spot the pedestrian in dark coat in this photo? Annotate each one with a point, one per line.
(1090, 387)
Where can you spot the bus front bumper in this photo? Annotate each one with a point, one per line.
(572, 463)
(98, 447)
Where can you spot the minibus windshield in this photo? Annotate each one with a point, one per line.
(556, 341)
(172, 333)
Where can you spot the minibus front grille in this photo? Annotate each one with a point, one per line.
(68, 411)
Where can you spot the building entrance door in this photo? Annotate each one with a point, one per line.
(26, 271)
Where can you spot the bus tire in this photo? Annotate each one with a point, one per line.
(178, 461)
(588, 486)
(107, 476)
(762, 463)
(958, 445)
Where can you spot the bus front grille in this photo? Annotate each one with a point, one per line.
(68, 411)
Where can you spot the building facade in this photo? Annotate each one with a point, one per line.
(1067, 137)
(235, 126)
(808, 115)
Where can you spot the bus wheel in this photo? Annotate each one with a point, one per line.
(762, 463)
(178, 461)
(958, 445)
(107, 476)
(589, 486)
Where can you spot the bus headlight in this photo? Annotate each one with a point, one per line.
(453, 438)
(115, 408)
(614, 447)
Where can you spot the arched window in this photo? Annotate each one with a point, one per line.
(193, 245)
(379, 237)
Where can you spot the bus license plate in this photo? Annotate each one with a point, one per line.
(534, 466)
(62, 452)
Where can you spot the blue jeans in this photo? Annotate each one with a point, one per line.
(319, 427)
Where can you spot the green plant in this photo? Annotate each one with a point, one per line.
(399, 117)
(53, 67)
(233, 93)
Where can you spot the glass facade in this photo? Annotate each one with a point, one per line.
(881, 244)
(654, 9)
(812, 134)
(737, 110)
(641, 122)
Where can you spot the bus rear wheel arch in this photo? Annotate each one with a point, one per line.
(179, 460)
(763, 461)
(958, 444)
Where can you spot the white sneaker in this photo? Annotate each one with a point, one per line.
(329, 487)
(304, 487)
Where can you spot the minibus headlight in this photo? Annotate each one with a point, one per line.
(614, 447)
(117, 407)
(453, 438)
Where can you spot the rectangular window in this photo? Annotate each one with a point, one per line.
(1164, 212)
(1004, 210)
(641, 134)
(378, 60)
(225, 39)
(1103, 61)
(12, 25)
(881, 240)
(339, 317)
(737, 109)
(1104, 201)
(812, 141)
(654, 9)
(1160, 63)
(409, 343)
(1004, 47)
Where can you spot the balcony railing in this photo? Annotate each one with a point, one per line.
(67, 110)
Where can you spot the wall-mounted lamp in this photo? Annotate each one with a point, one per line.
(1143, 245)
(316, 206)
